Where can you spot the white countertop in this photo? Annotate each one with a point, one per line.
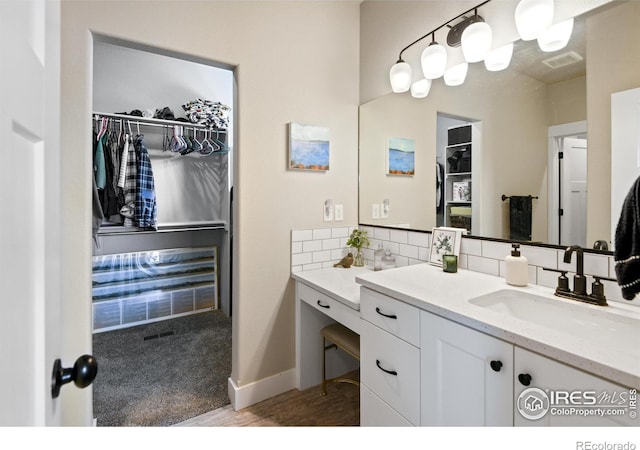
(338, 283)
(446, 294)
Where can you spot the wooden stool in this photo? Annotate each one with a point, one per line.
(343, 338)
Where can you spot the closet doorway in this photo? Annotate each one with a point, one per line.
(161, 291)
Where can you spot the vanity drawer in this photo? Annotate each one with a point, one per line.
(348, 317)
(376, 413)
(394, 316)
(390, 368)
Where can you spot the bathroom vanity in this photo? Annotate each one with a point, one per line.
(441, 349)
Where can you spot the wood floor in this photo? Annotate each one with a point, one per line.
(340, 407)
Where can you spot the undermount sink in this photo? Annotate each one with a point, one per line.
(561, 315)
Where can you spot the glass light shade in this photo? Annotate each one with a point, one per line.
(476, 41)
(499, 58)
(420, 89)
(556, 37)
(533, 16)
(400, 77)
(434, 61)
(454, 76)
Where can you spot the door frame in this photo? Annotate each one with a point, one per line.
(554, 134)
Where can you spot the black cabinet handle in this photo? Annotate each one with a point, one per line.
(496, 365)
(390, 372)
(323, 306)
(390, 316)
(525, 379)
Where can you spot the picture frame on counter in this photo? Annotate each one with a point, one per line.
(444, 241)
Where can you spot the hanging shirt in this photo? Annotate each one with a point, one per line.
(145, 206)
(99, 164)
(128, 210)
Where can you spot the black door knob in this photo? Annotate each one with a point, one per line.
(496, 365)
(525, 379)
(82, 374)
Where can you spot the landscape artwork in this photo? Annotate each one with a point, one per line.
(308, 147)
(400, 156)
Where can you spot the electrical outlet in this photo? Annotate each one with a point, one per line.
(375, 211)
(328, 210)
(339, 212)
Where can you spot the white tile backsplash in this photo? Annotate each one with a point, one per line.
(318, 248)
(399, 236)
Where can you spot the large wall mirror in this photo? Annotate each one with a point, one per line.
(523, 118)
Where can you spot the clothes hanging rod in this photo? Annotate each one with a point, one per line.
(505, 197)
(155, 122)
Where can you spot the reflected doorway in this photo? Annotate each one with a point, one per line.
(568, 184)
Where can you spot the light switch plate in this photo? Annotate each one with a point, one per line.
(384, 209)
(375, 211)
(339, 212)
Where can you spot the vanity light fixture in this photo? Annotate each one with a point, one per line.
(434, 60)
(556, 37)
(476, 39)
(472, 33)
(455, 75)
(499, 58)
(420, 89)
(532, 17)
(400, 76)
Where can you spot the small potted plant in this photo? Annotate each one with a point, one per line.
(357, 240)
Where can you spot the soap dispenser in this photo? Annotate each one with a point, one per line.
(516, 271)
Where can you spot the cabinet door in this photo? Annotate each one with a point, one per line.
(466, 376)
(569, 397)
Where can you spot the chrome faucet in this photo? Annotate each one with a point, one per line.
(579, 280)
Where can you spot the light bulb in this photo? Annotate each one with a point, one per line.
(454, 76)
(400, 76)
(533, 16)
(434, 61)
(420, 89)
(476, 41)
(556, 37)
(499, 58)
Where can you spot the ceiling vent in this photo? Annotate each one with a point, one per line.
(562, 60)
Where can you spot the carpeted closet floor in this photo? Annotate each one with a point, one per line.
(162, 373)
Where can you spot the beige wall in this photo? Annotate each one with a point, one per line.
(295, 61)
(607, 49)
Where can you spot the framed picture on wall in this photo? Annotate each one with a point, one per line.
(444, 241)
(401, 156)
(308, 147)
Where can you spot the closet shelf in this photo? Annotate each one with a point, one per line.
(111, 230)
(154, 122)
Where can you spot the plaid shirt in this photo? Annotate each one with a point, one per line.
(145, 210)
(129, 184)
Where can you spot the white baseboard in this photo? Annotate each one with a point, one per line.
(260, 390)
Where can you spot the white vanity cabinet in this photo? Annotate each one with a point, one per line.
(466, 376)
(572, 388)
(469, 378)
(389, 361)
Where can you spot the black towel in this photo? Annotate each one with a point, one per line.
(520, 217)
(627, 244)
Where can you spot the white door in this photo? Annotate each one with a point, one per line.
(574, 192)
(30, 305)
(625, 149)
